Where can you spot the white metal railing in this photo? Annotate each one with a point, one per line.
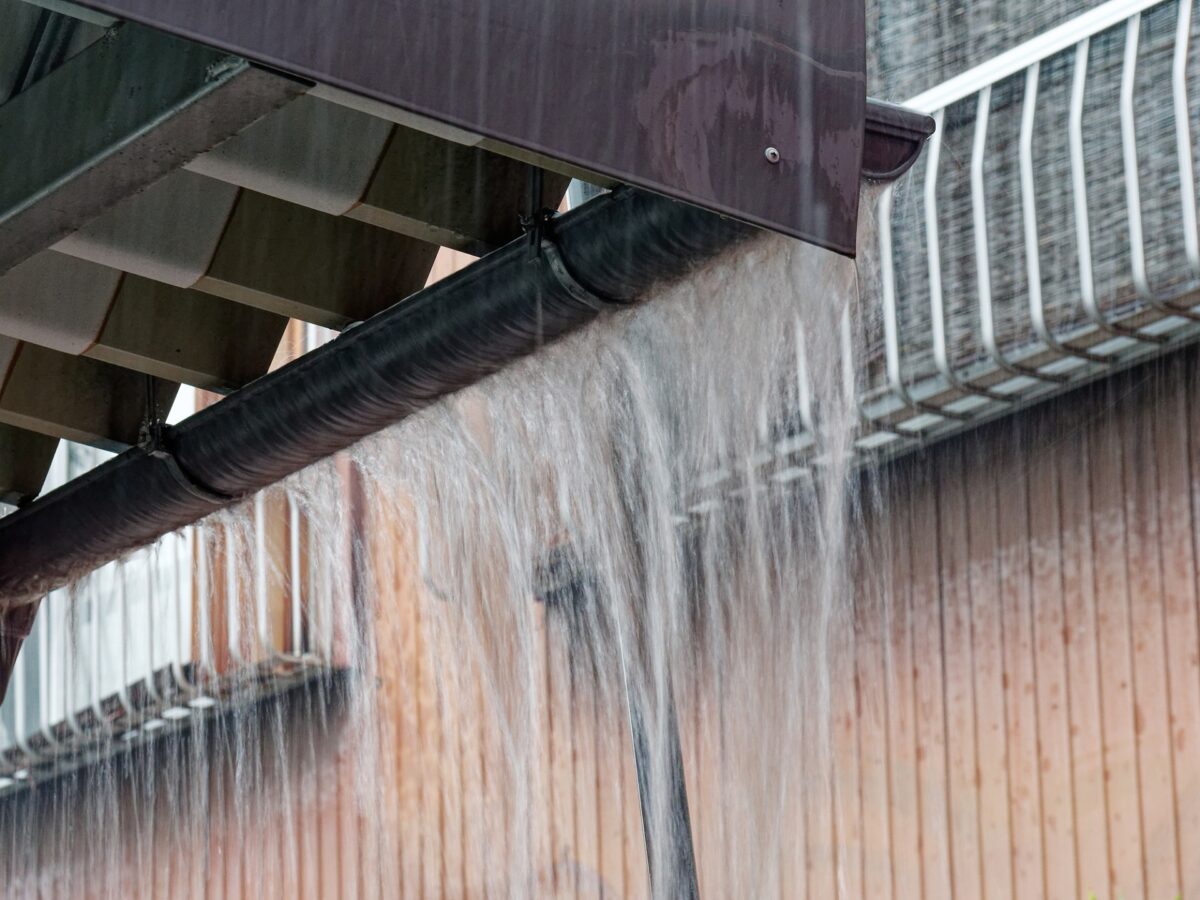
(913, 401)
(211, 616)
(1031, 52)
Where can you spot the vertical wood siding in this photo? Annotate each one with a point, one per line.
(1019, 717)
(1020, 714)
(1017, 713)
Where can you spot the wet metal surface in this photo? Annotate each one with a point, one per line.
(679, 98)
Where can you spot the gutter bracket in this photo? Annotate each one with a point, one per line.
(155, 444)
(557, 267)
(187, 482)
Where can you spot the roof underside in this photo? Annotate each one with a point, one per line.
(166, 208)
(322, 208)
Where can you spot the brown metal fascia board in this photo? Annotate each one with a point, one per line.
(678, 97)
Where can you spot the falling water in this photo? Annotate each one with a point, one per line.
(659, 515)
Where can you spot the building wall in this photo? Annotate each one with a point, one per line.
(914, 44)
(1017, 715)
(1028, 701)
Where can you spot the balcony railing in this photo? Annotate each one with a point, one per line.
(1049, 235)
(216, 616)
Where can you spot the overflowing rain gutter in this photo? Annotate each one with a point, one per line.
(793, 165)
(605, 255)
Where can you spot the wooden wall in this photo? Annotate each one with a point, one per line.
(1018, 714)
(1026, 718)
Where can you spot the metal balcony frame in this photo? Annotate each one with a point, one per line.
(902, 415)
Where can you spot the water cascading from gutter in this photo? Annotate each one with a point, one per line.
(605, 255)
(569, 270)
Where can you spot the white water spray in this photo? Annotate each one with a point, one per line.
(660, 513)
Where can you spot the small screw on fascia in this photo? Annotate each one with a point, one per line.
(772, 155)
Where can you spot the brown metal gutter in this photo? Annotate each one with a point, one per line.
(605, 255)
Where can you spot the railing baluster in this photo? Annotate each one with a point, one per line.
(937, 306)
(1133, 192)
(20, 691)
(261, 582)
(887, 282)
(233, 596)
(45, 669)
(891, 315)
(70, 625)
(1037, 309)
(1183, 134)
(206, 668)
(1083, 227)
(983, 260)
(1133, 197)
(152, 558)
(185, 558)
(95, 589)
(803, 383)
(123, 605)
(295, 580)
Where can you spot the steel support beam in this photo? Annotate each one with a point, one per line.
(296, 262)
(131, 108)
(257, 250)
(460, 197)
(25, 459)
(187, 336)
(74, 398)
(82, 308)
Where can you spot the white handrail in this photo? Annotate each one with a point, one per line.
(1067, 35)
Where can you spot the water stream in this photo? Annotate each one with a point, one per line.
(663, 511)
